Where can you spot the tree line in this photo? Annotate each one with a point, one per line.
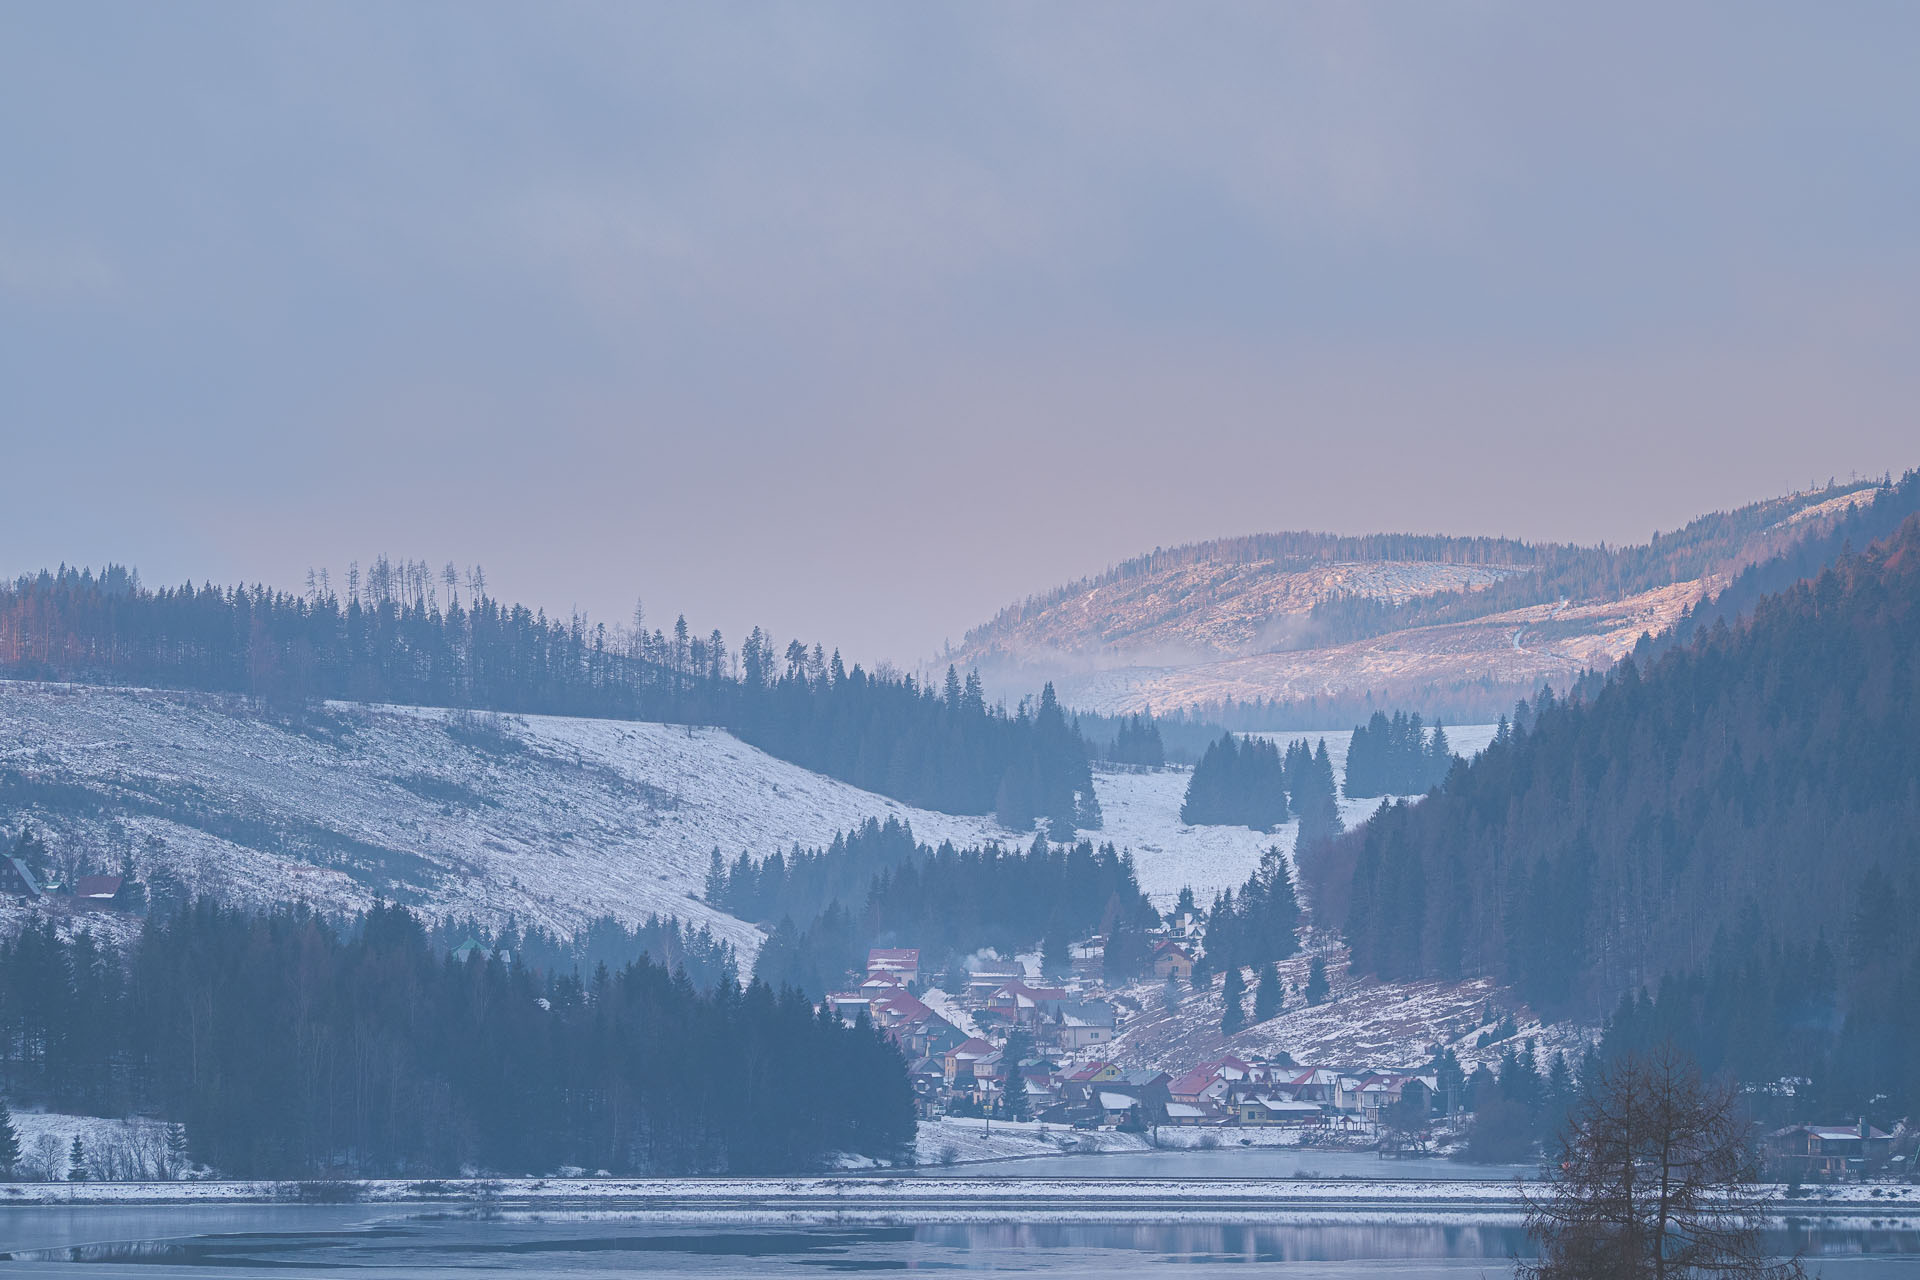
(1246, 781)
(395, 638)
(1396, 757)
(1238, 783)
(291, 1047)
(669, 941)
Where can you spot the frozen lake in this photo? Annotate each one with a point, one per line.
(424, 1243)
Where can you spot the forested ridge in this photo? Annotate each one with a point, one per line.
(1745, 793)
(395, 638)
(290, 1047)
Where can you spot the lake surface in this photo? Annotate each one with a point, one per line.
(242, 1243)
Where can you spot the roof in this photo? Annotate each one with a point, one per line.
(973, 1048)
(1118, 1101)
(98, 887)
(1090, 1013)
(26, 876)
(894, 955)
(1833, 1132)
(1169, 947)
(1185, 1111)
(1196, 1081)
(1089, 1071)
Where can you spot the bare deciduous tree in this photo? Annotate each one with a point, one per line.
(1655, 1178)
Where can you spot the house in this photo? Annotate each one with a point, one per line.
(96, 891)
(16, 881)
(1826, 1151)
(899, 963)
(1210, 1081)
(964, 1058)
(1170, 958)
(467, 950)
(1016, 1002)
(1094, 1073)
(1315, 1084)
(1187, 1114)
(1079, 1026)
(1379, 1090)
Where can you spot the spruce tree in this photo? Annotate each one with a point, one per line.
(1268, 998)
(9, 1144)
(1233, 1015)
(76, 1161)
(179, 1157)
(1317, 987)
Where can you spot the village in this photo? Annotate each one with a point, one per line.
(998, 1045)
(996, 1042)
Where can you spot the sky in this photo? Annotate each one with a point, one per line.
(858, 322)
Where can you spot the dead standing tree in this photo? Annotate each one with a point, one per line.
(1655, 1179)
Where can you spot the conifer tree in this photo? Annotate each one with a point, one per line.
(1317, 987)
(76, 1161)
(179, 1156)
(1233, 1015)
(9, 1144)
(1268, 998)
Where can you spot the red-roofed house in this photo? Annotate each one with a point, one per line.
(96, 891)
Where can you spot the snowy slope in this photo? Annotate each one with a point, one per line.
(1142, 812)
(547, 819)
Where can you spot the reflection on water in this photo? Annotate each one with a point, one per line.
(275, 1240)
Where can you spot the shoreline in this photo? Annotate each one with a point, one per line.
(897, 1198)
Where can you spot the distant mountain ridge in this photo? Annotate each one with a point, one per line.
(1451, 623)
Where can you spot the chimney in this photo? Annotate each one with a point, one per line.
(1865, 1132)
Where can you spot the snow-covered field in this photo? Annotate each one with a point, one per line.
(1142, 812)
(545, 819)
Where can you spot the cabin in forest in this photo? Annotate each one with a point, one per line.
(96, 891)
(16, 880)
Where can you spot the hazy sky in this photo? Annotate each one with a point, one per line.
(861, 321)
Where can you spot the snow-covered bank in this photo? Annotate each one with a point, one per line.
(1013, 1197)
(955, 1139)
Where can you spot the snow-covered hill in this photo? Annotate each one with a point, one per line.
(547, 819)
